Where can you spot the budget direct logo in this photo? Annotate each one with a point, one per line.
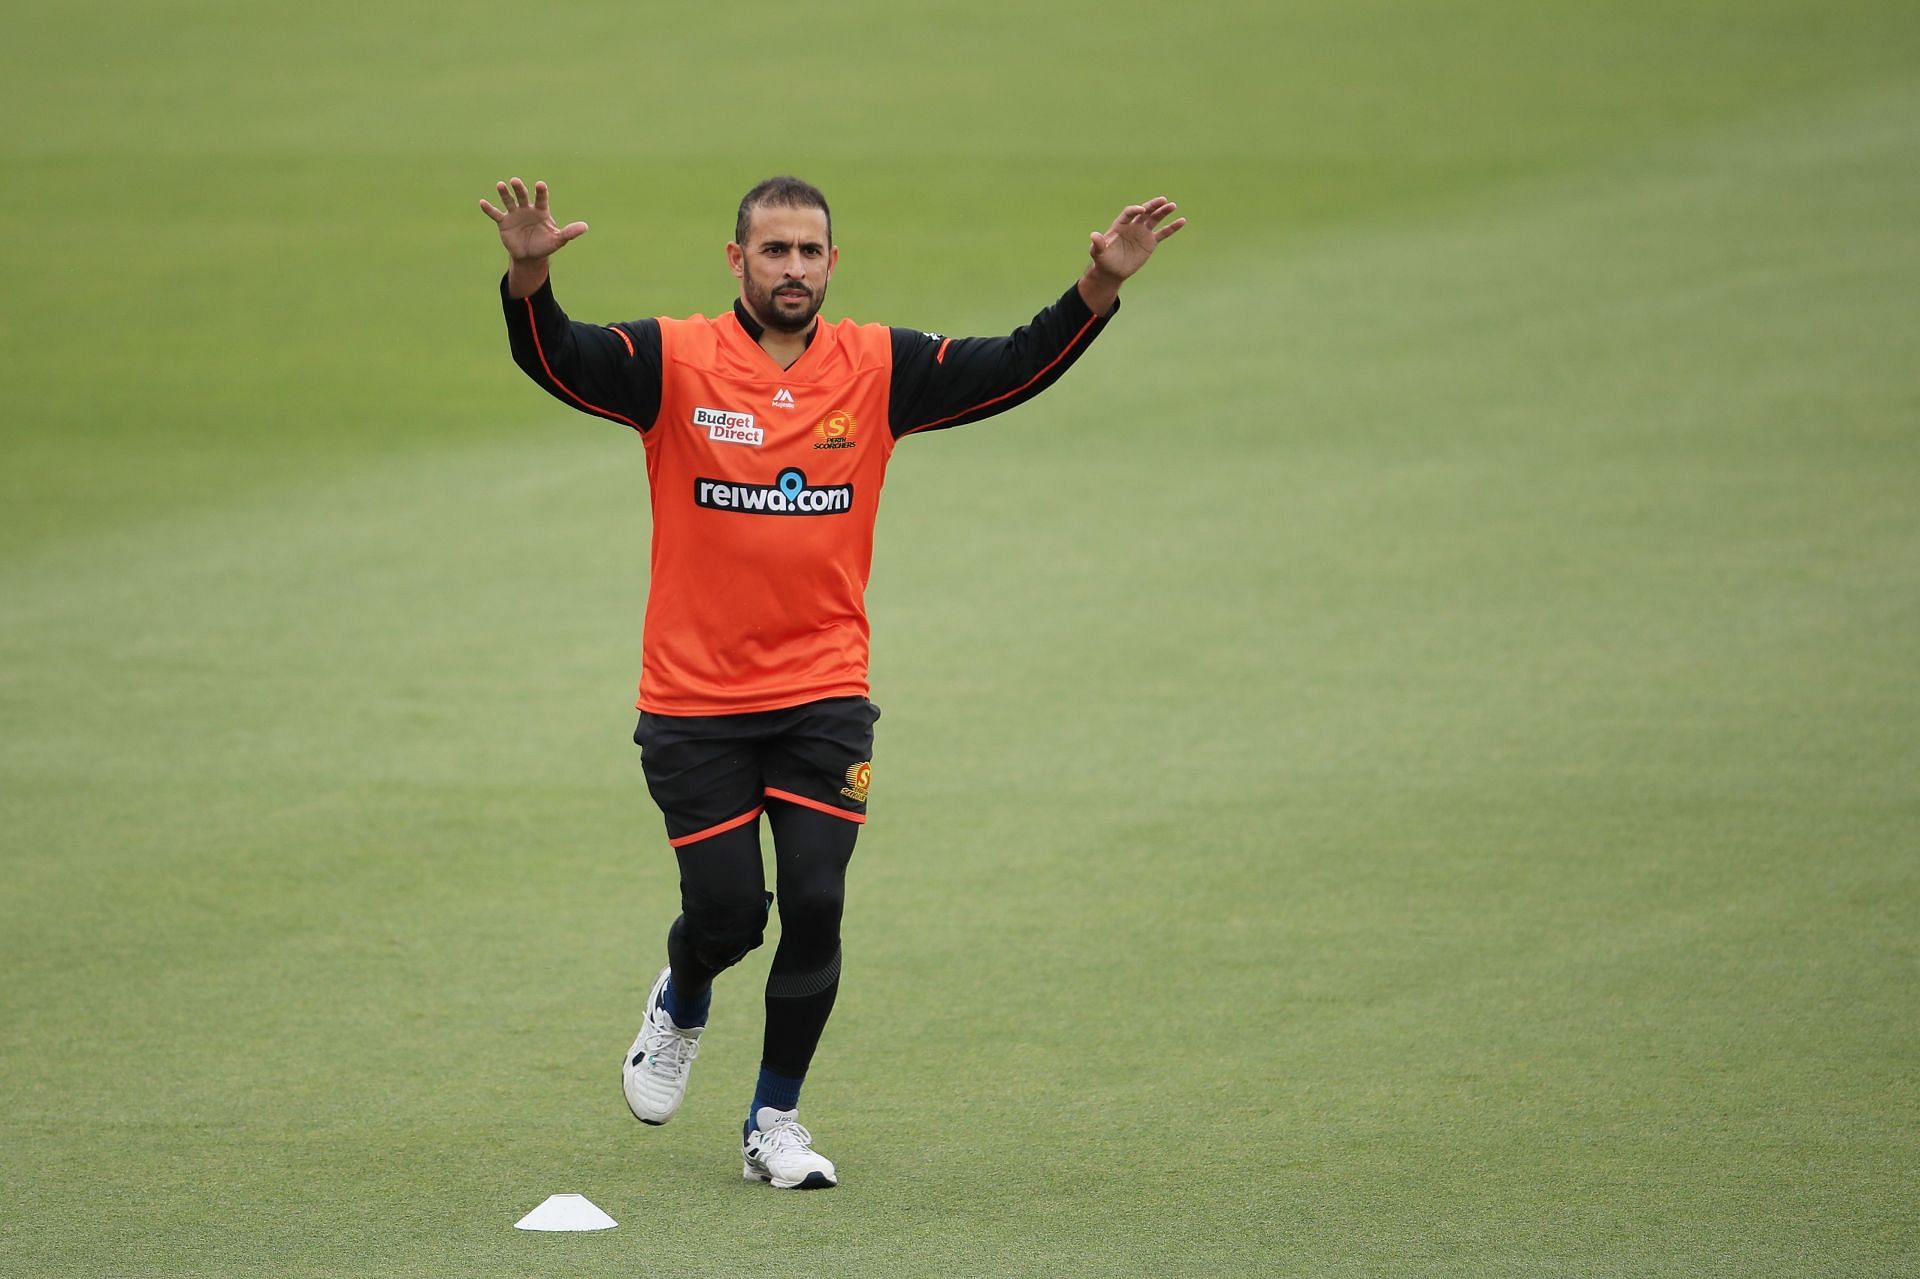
(835, 430)
(789, 494)
(729, 428)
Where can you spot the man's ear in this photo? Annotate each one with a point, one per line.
(736, 260)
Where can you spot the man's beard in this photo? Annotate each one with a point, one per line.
(768, 307)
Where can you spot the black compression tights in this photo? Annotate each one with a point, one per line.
(723, 913)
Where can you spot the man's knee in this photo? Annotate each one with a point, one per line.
(813, 908)
(720, 934)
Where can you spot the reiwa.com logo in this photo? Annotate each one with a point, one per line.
(789, 494)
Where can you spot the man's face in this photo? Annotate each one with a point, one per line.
(784, 266)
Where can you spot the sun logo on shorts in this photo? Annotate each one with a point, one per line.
(859, 777)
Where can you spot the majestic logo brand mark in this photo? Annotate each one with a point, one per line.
(729, 428)
(859, 777)
(835, 430)
(787, 495)
(783, 398)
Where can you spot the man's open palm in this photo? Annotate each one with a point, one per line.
(527, 228)
(1126, 245)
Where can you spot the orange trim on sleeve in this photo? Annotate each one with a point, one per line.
(816, 805)
(730, 824)
(541, 351)
(1064, 351)
(624, 338)
(940, 356)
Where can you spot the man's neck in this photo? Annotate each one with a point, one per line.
(783, 347)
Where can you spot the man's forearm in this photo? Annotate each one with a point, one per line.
(940, 382)
(610, 371)
(525, 276)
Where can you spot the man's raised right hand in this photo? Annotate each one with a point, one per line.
(528, 232)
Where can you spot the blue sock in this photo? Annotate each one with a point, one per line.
(686, 1014)
(782, 1092)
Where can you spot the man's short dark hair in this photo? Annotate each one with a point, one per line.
(784, 192)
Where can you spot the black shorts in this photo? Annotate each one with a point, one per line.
(711, 773)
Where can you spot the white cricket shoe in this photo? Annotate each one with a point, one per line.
(779, 1150)
(654, 1072)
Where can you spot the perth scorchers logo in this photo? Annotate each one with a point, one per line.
(835, 430)
(859, 777)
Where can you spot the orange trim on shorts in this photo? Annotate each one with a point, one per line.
(730, 824)
(816, 805)
(940, 356)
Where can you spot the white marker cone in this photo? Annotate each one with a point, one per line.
(566, 1212)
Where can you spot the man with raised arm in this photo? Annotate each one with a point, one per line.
(767, 434)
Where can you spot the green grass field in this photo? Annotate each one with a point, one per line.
(1404, 763)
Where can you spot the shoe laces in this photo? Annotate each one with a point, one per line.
(670, 1047)
(786, 1134)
